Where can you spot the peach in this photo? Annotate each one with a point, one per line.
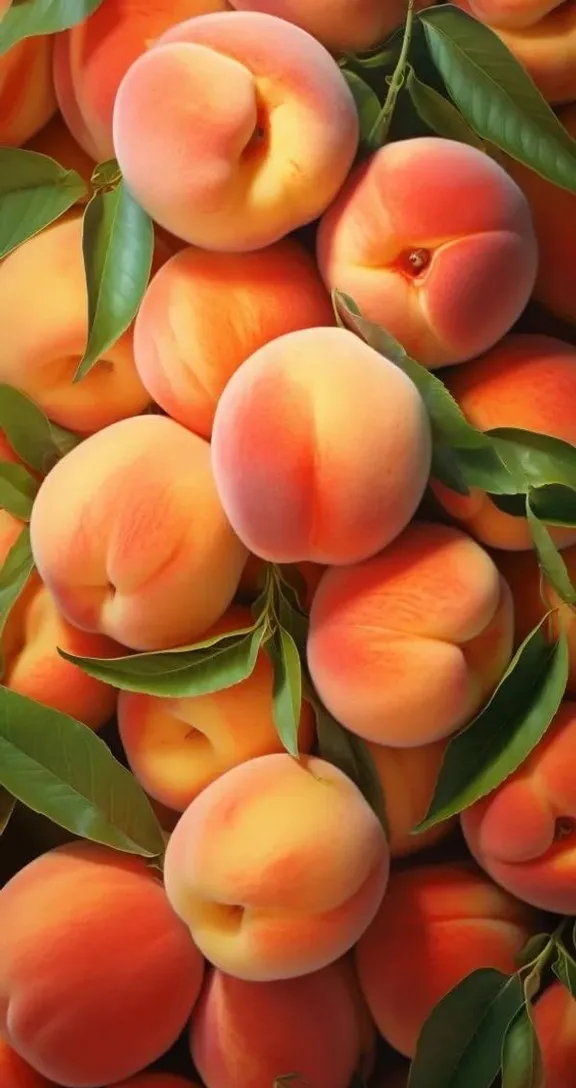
(431, 606)
(554, 214)
(320, 449)
(10, 530)
(156, 1080)
(130, 538)
(408, 777)
(529, 382)
(4, 5)
(187, 346)
(91, 59)
(248, 1034)
(509, 14)
(547, 50)
(252, 136)
(523, 833)
(97, 974)
(433, 241)
(277, 867)
(42, 346)
(27, 97)
(176, 747)
(436, 924)
(343, 26)
(555, 1022)
(56, 141)
(16, 1073)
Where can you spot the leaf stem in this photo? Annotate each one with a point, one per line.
(381, 126)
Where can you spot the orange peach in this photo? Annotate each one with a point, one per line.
(249, 1034)
(56, 141)
(509, 14)
(97, 975)
(523, 833)
(27, 97)
(555, 1022)
(433, 606)
(156, 1080)
(433, 241)
(187, 345)
(130, 538)
(320, 449)
(10, 530)
(43, 345)
(408, 777)
(435, 925)
(529, 382)
(4, 5)
(343, 26)
(91, 59)
(547, 50)
(16, 1073)
(277, 867)
(176, 747)
(554, 214)
(252, 136)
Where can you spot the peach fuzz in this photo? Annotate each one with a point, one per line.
(304, 577)
(554, 214)
(130, 538)
(248, 1034)
(43, 347)
(523, 834)
(27, 97)
(431, 605)
(435, 925)
(528, 382)
(16, 1073)
(176, 747)
(508, 14)
(320, 448)
(187, 345)
(56, 141)
(277, 867)
(97, 975)
(408, 777)
(91, 59)
(554, 1016)
(256, 132)
(343, 26)
(547, 50)
(433, 241)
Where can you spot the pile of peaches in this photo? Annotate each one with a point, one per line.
(240, 426)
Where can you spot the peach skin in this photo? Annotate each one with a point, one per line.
(264, 898)
(320, 449)
(508, 14)
(547, 50)
(256, 132)
(343, 26)
(554, 1017)
(523, 833)
(16, 1073)
(56, 141)
(249, 1034)
(529, 382)
(408, 777)
(436, 924)
(433, 241)
(187, 345)
(431, 605)
(97, 975)
(27, 97)
(130, 538)
(176, 747)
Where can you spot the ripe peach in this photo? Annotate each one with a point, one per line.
(256, 133)
(343, 26)
(508, 14)
(16, 1073)
(156, 1080)
(56, 141)
(408, 777)
(432, 605)
(555, 1022)
(436, 924)
(433, 241)
(10, 529)
(554, 214)
(547, 50)
(528, 381)
(97, 975)
(187, 346)
(249, 1034)
(277, 867)
(320, 449)
(27, 97)
(130, 538)
(176, 747)
(41, 348)
(523, 833)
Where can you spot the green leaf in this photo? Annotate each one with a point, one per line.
(31, 435)
(438, 113)
(7, 806)
(118, 244)
(485, 753)
(62, 769)
(496, 96)
(533, 949)
(287, 692)
(34, 190)
(535, 459)
(521, 1056)
(460, 1044)
(549, 558)
(217, 663)
(350, 753)
(554, 504)
(291, 614)
(29, 18)
(565, 969)
(367, 103)
(18, 489)
(14, 575)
